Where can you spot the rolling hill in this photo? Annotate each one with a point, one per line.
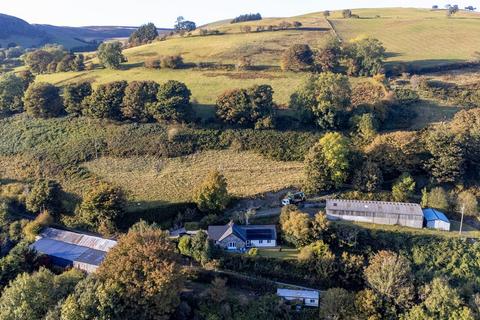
(20, 32)
(413, 37)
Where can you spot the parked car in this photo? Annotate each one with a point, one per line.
(294, 198)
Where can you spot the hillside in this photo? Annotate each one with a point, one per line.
(415, 37)
(15, 30)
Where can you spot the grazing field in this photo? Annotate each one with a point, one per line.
(206, 86)
(420, 37)
(173, 180)
(417, 37)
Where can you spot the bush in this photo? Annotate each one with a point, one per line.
(297, 58)
(152, 63)
(171, 62)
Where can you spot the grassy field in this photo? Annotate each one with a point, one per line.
(206, 86)
(158, 181)
(469, 231)
(414, 36)
(420, 37)
(279, 253)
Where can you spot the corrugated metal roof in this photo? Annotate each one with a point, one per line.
(433, 214)
(59, 249)
(375, 206)
(79, 239)
(72, 248)
(300, 294)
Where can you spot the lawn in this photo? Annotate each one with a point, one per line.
(162, 181)
(279, 253)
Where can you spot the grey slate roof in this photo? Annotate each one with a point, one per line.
(251, 232)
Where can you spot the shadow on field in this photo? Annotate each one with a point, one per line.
(128, 66)
(427, 66)
(160, 212)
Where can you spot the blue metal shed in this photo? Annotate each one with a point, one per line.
(436, 219)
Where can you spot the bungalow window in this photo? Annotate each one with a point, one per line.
(312, 300)
(268, 241)
(232, 245)
(260, 241)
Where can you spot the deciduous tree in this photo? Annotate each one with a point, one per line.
(148, 273)
(110, 54)
(327, 163)
(212, 193)
(42, 100)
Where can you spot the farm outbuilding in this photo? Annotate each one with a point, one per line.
(379, 212)
(436, 219)
(307, 297)
(78, 250)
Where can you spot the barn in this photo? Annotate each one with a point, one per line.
(78, 250)
(378, 212)
(436, 219)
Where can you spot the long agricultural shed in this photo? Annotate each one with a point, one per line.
(379, 212)
(67, 248)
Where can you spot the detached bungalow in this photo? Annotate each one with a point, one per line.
(436, 219)
(238, 237)
(308, 298)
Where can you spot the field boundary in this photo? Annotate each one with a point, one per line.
(335, 33)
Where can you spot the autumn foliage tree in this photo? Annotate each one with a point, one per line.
(147, 271)
(212, 193)
(295, 226)
(390, 275)
(327, 163)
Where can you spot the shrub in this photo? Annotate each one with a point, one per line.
(44, 195)
(171, 62)
(152, 63)
(299, 57)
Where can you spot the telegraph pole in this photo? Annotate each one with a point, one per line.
(461, 221)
